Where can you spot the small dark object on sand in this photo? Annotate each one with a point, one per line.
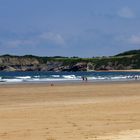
(52, 84)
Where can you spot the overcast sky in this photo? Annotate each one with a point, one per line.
(82, 28)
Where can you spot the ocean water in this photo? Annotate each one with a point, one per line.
(37, 77)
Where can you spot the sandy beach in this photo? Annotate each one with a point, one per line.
(86, 111)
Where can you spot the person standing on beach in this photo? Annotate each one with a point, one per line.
(83, 78)
(86, 79)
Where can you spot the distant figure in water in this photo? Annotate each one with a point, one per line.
(136, 77)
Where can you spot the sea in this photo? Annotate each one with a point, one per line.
(63, 77)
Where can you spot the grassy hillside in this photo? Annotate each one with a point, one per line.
(129, 53)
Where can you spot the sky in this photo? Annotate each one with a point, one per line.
(83, 28)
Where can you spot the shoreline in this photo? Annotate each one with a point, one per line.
(98, 76)
(78, 82)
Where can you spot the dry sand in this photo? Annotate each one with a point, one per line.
(70, 111)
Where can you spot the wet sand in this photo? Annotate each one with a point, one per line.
(101, 111)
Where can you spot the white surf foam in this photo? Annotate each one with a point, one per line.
(23, 77)
(69, 76)
(13, 80)
(55, 76)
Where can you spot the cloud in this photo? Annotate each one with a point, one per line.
(13, 43)
(34, 40)
(131, 40)
(126, 12)
(17, 43)
(134, 39)
(52, 37)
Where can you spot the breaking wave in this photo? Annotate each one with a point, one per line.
(19, 77)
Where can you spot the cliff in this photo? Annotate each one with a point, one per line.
(124, 61)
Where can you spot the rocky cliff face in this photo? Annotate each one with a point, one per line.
(18, 63)
(33, 63)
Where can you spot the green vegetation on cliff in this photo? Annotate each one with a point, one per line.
(129, 53)
(123, 61)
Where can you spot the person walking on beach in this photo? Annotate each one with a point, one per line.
(86, 79)
(83, 78)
